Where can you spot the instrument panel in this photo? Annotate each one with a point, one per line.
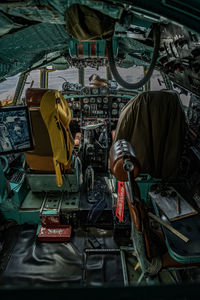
(97, 106)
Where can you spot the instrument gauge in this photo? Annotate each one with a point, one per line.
(85, 90)
(94, 91)
(65, 86)
(104, 90)
(99, 100)
(76, 105)
(105, 100)
(119, 99)
(114, 105)
(86, 107)
(121, 105)
(92, 100)
(114, 112)
(85, 100)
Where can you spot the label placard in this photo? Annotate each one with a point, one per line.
(120, 201)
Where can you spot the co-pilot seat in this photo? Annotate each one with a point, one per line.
(42, 174)
(154, 124)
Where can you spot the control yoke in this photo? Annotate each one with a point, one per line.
(124, 164)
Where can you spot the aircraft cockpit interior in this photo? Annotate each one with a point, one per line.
(100, 147)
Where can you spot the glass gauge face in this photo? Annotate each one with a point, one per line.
(65, 86)
(105, 100)
(114, 105)
(119, 99)
(104, 90)
(71, 86)
(121, 105)
(85, 100)
(114, 112)
(78, 86)
(92, 100)
(95, 91)
(86, 107)
(85, 90)
(76, 105)
(99, 100)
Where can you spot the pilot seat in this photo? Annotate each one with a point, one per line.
(51, 165)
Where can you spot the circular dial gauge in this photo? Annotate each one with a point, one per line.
(86, 107)
(85, 100)
(76, 105)
(114, 112)
(119, 99)
(104, 90)
(85, 90)
(99, 100)
(92, 100)
(105, 100)
(114, 105)
(95, 91)
(121, 105)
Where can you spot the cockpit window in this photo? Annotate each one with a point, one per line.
(58, 77)
(184, 95)
(33, 79)
(132, 74)
(136, 73)
(157, 82)
(101, 72)
(7, 89)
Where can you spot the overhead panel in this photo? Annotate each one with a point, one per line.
(53, 11)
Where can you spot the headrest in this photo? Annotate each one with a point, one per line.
(34, 96)
(119, 152)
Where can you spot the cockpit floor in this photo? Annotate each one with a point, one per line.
(34, 263)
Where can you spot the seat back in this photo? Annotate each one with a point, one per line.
(50, 116)
(154, 123)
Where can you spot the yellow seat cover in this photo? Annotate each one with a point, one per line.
(57, 116)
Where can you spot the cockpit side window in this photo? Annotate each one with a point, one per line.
(131, 74)
(7, 90)
(184, 95)
(33, 80)
(157, 81)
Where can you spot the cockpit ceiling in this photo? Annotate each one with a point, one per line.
(33, 34)
(37, 43)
